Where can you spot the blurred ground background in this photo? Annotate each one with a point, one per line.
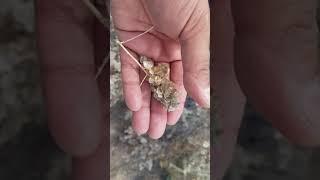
(28, 152)
(26, 149)
(263, 153)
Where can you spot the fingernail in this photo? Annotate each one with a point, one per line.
(206, 94)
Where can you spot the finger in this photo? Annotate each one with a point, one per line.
(230, 100)
(93, 166)
(141, 118)
(176, 75)
(278, 51)
(158, 119)
(130, 81)
(195, 57)
(66, 52)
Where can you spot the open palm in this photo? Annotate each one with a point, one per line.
(132, 18)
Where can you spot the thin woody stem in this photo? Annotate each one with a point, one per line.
(125, 49)
(143, 79)
(104, 63)
(138, 35)
(97, 13)
(105, 22)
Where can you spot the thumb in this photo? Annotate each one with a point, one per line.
(195, 52)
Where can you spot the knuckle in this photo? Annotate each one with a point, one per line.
(199, 22)
(198, 69)
(128, 66)
(64, 69)
(130, 82)
(199, 72)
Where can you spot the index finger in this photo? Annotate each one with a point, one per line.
(130, 81)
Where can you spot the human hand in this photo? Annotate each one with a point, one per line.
(274, 63)
(180, 38)
(69, 54)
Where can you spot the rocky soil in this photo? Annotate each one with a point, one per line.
(263, 153)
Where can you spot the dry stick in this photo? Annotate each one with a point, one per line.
(138, 35)
(104, 63)
(143, 79)
(104, 21)
(121, 44)
(125, 49)
(97, 13)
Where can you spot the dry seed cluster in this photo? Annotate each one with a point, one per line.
(162, 88)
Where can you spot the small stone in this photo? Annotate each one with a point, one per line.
(206, 144)
(141, 167)
(148, 64)
(129, 130)
(143, 140)
(149, 164)
(169, 135)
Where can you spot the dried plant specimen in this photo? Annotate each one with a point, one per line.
(162, 88)
(158, 76)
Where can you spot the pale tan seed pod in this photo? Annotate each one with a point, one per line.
(162, 88)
